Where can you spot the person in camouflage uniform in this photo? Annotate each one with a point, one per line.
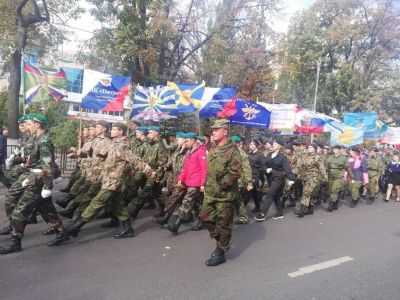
(312, 169)
(76, 174)
(135, 180)
(118, 160)
(375, 169)
(93, 170)
(221, 190)
(336, 165)
(156, 157)
(192, 177)
(37, 185)
(175, 192)
(245, 184)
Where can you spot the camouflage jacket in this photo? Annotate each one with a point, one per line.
(41, 160)
(246, 176)
(84, 162)
(120, 159)
(175, 165)
(312, 168)
(337, 165)
(375, 166)
(224, 170)
(95, 165)
(156, 156)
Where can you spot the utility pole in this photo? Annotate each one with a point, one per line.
(318, 61)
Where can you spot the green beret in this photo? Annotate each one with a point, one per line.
(154, 128)
(201, 138)
(180, 134)
(37, 118)
(235, 138)
(121, 126)
(22, 119)
(172, 133)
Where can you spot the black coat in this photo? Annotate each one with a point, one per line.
(3, 148)
(280, 163)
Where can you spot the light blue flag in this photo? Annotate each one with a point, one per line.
(365, 120)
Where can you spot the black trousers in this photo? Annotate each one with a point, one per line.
(276, 183)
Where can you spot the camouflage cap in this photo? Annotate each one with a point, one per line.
(103, 123)
(220, 123)
(121, 126)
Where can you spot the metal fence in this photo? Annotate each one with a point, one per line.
(66, 164)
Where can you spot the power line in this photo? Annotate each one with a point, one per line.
(80, 29)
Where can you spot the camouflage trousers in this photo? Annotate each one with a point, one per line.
(355, 189)
(217, 217)
(310, 186)
(191, 202)
(76, 174)
(147, 194)
(372, 184)
(29, 201)
(3, 178)
(86, 198)
(80, 186)
(14, 174)
(240, 205)
(111, 200)
(175, 199)
(14, 193)
(132, 185)
(335, 186)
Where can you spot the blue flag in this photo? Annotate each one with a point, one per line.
(364, 120)
(108, 94)
(218, 102)
(250, 114)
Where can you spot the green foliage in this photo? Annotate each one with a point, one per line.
(64, 135)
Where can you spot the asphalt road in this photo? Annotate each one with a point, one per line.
(349, 254)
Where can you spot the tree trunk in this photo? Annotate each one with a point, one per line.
(15, 82)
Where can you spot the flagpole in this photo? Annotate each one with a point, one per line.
(198, 121)
(80, 129)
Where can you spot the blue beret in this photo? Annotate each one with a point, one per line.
(190, 135)
(180, 134)
(142, 128)
(235, 138)
(154, 128)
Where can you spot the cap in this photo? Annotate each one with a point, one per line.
(141, 128)
(336, 147)
(37, 118)
(22, 119)
(314, 145)
(102, 123)
(120, 125)
(280, 142)
(268, 142)
(135, 122)
(180, 134)
(295, 143)
(172, 133)
(288, 146)
(355, 149)
(201, 138)
(235, 138)
(190, 135)
(153, 128)
(220, 123)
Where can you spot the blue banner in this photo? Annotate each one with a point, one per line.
(250, 114)
(365, 120)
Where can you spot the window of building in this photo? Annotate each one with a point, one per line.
(75, 79)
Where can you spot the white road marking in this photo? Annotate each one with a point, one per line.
(321, 266)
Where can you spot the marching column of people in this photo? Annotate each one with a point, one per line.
(190, 178)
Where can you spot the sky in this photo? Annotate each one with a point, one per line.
(87, 24)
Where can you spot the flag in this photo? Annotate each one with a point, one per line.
(391, 136)
(250, 114)
(217, 102)
(154, 103)
(40, 83)
(333, 125)
(350, 136)
(108, 94)
(189, 96)
(307, 121)
(365, 120)
(282, 116)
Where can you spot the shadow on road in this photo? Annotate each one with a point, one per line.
(246, 235)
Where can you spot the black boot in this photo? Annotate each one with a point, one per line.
(61, 237)
(162, 220)
(33, 219)
(370, 200)
(125, 231)
(291, 203)
(69, 212)
(217, 258)
(14, 246)
(353, 203)
(331, 206)
(317, 202)
(198, 226)
(112, 223)
(74, 228)
(50, 231)
(174, 226)
(309, 211)
(6, 230)
(300, 213)
(63, 202)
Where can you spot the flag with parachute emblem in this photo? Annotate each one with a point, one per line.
(189, 96)
(250, 114)
(40, 83)
(154, 103)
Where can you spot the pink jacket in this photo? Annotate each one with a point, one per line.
(194, 169)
